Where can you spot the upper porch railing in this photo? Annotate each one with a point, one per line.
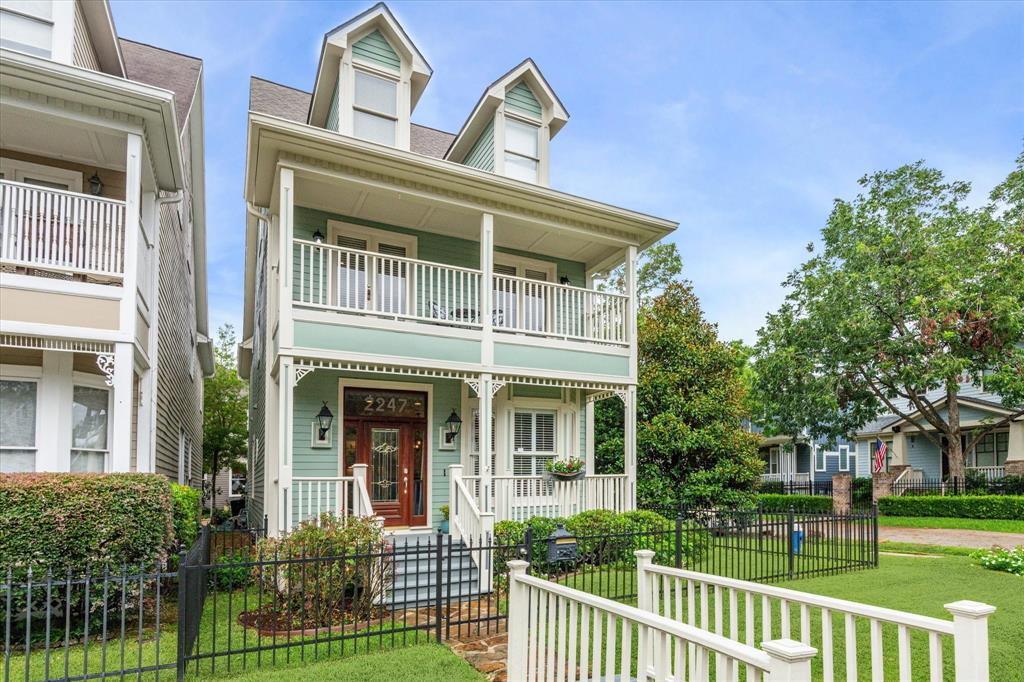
(66, 232)
(369, 283)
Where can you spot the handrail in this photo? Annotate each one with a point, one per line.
(567, 287)
(65, 192)
(405, 259)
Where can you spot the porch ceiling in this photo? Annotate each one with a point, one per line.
(421, 212)
(60, 138)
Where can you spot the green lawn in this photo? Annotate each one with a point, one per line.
(993, 525)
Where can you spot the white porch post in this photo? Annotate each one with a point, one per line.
(790, 660)
(1015, 447)
(121, 421)
(486, 475)
(970, 639)
(588, 454)
(629, 439)
(454, 476)
(285, 233)
(487, 290)
(899, 449)
(286, 377)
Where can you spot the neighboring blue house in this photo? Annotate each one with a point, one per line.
(807, 459)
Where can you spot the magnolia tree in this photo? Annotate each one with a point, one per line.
(912, 293)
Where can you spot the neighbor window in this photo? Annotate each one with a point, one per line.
(376, 108)
(992, 449)
(522, 155)
(534, 441)
(18, 425)
(90, 409)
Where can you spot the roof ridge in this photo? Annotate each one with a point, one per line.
(162, 49)
(282, 85)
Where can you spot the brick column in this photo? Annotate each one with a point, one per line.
(881, 481)
(1015, 467)
(842, 493)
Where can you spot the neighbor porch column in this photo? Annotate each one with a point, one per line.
(121, 407)
(486, 408)
(899, 449)
(629, 438)
(1015, 450)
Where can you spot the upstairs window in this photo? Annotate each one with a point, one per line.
(522, 150)
(376, 108)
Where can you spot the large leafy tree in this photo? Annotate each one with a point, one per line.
(912, 293)
(691, 446)
(225, 410)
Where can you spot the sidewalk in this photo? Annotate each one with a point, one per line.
(949, 537)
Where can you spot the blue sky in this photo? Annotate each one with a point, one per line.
(740, 121)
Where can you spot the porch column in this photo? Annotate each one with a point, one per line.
(899, 449)
(1015, 450)
(284, 475)
(631, 310)
(487, 290)
(589, 452)
(629, 438)
(121, 412)
(129, 255)
(285, 233)
(486, 475)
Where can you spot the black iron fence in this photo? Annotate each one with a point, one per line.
(974, 485)
(229, 606)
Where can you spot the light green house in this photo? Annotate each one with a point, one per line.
(400, 279)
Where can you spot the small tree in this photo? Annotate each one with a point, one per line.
(912, 294)
(225, 407)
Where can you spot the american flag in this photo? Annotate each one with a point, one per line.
(880, 450)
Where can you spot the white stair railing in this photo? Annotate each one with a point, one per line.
(469, 525)
(557, 633)
(665, 590)
(342, 496)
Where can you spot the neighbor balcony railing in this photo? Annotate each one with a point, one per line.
(991, 473)
(66, 232)
(369, 283)
(789, 477)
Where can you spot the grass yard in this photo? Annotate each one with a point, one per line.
(993, 525)
(420, 663)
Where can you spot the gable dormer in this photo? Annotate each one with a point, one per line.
(510, 129)
(369, 79)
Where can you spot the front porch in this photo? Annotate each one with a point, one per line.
(388, 452)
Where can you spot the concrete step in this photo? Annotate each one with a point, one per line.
(407, 580)
(427, 595)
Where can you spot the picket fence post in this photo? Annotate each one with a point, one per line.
(791, 660)
(970, 639)
(518, 615)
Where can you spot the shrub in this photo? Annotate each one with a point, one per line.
(323, 591)
(71, 520)
(999, 559)
(186, 514)
(232, 572)
(1008, 485)
(805, 504)
(862, 492)
(962, 506)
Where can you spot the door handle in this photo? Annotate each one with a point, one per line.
(405, 476)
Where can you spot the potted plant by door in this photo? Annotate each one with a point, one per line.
(566, 469)
(444, 518)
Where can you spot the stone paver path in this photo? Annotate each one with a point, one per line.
(949, 537)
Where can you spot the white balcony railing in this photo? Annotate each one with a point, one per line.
(789, 477)
(533, 307)
(60, 231)
(518, 498)
(369, 283)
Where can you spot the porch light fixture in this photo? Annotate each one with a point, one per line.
(318, 236)
(325, 418)
(95, 184)
(453, 423)
(564, 280)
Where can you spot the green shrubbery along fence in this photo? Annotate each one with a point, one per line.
(814, 504)
(962, 506)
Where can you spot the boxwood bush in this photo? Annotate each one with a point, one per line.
(955, 506)
(70, 520)
(807, 504)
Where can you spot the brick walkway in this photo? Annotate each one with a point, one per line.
(949, 537)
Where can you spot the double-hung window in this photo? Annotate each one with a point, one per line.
(376, 108)
(90, 413)
(18, 413)
(992, 449)
(522, 150)
(534, 441)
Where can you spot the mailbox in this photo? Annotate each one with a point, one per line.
(561, 546)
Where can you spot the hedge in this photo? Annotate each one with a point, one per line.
(955, 506)
(187, 512)
(71, 520)
(806, 504)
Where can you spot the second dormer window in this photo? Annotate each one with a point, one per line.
(376, 108)
(522, 157)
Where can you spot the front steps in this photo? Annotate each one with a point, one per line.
(415, 565)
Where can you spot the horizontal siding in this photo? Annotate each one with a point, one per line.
(482, 154)
(521, 99)
(83, 53)
(333, 115)
(256, 476)
(375, 49)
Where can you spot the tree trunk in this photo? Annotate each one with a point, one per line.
(955, 453)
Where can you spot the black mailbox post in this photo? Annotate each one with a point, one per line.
(561, 546)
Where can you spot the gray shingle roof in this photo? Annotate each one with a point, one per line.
(161, 68)
(292, 104)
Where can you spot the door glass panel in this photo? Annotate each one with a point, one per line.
(384, 464)
(419, 467)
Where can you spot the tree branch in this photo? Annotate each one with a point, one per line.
(881, 396)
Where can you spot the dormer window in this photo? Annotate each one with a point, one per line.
(522, 150)
(375, 115)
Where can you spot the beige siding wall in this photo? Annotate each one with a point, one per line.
(48, 307)
(179, 378)
(113, 180)
(84, 52)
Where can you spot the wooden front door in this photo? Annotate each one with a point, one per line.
(389, 432)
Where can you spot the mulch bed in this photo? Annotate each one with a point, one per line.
(272, 622)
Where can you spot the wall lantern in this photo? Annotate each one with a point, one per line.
(95, 184)
(322, 427)
(318, 236)
(452, 425)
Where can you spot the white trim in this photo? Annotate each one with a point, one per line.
(64, 331)
(346, 382)
(61, 286)
(15, 169)
(87, 380)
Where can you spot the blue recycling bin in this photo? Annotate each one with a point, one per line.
(798, 541)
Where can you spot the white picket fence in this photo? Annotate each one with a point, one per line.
(696, 598)
(559, 633)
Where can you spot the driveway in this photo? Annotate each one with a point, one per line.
(949, 537)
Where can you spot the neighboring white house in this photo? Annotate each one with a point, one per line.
(400, 278)
(103, 328)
